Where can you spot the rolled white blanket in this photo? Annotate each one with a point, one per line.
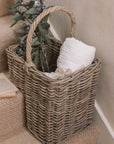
(74, 55)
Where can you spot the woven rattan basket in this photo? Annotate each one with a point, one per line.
(55, 109)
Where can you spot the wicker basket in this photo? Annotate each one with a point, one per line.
(55, 109)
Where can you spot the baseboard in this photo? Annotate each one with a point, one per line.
(102, 117)
(105, 136)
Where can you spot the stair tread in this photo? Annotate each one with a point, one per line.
(11, 114)
(88, 136)
(6, 38)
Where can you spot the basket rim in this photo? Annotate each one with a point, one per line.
(81, 72)
(71, 76)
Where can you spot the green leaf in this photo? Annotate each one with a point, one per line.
(49, 7)
(24, 25)
(34, 49)
(31, 11)
(36, 60)
(15, 41)
(39, 9)
(13, 23)
(26, 15)
(14, 6)
(46, 40)
(35, 41)
(22, 40)
(24, 37)
(20, 31)
(45, 18)
(41, 30)
(12, 9)
(17, 17)
(31, 4)
(35, 57)
(45, 26)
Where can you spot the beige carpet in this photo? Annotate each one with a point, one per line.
(7, 35)
(11, 114)
(87, 136)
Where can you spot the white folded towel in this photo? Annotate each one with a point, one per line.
(74, 55)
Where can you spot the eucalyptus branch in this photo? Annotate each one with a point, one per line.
(45, 56)
(41, 59)
(29, 21)
(32, 9)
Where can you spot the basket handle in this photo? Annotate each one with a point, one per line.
(36, 22)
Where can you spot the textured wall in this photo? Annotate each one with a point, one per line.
(95, 26)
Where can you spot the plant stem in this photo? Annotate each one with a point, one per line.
(41, 59)
(45, 57)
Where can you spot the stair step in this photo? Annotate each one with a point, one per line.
(12, 130)
(88, 136)
(11, 114)
(7, 35)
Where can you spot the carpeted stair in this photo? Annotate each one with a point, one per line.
(7, 34)
(23, 136)
(6, 37)
(11, 115)
(13, 131)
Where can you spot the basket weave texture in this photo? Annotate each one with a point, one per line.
(55, 109)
